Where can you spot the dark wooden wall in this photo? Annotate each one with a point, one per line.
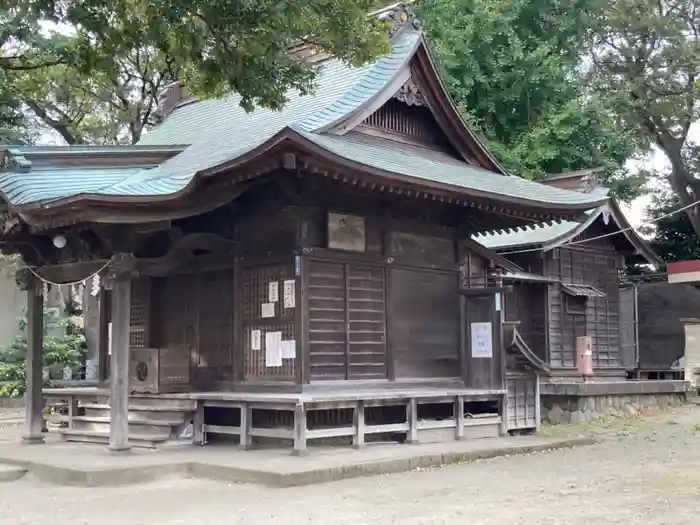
(661, 306)
(594, 263)
(389, 312)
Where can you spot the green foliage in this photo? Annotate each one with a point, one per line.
(61, 351)
(673, 238)
(97, 80)
(513, 69)
(216, 46)
(645, 57)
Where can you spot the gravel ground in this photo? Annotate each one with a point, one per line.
(643, 471)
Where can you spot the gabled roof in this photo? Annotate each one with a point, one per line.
(219, 134)
(550, 236)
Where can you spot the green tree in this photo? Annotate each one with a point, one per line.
(216, 46)
(646, 58)
(105, 107)
(672, 237)
(512, 67)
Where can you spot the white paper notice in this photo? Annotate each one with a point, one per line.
(273, 292)
(482, 341)
(273, 349)
(268, 309)
(289, 293)
(255, 339)
(289, 349)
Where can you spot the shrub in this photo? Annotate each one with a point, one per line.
(64, 350)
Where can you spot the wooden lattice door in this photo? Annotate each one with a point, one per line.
(347, 321)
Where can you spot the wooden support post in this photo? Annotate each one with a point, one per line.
(358, 439)
(198, 424)
(300, 430)
(33, 400)
(103, 336)
(503, 409)
(412, 418)
(459, 418)
(72, 410)
(246, 440)
(120, 273)
(538, 407)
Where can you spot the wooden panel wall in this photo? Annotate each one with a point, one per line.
(424, 323)
(196, 311)
(215, 326)
(594, 265)
(347, 321)
(256, 281)
(526, 302)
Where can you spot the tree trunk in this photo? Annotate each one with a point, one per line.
(685, 186)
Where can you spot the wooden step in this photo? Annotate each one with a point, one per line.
(138, 428)
(102, 438)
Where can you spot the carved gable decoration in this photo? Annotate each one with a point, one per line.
(410, 94)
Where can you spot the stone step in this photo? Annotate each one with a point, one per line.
(102, 438)
(11, 472)
(140, 413)
(150, 428)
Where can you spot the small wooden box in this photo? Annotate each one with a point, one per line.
(159, 370)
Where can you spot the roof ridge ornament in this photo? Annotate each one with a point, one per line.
(13, 160)
(398, 16)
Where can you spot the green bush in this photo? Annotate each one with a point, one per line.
(64, 350)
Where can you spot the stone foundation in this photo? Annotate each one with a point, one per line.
(558, 409)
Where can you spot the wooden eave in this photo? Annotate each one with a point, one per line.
(285, 147)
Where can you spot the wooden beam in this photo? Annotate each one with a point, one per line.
(33, 421)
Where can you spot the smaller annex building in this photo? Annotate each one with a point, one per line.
(572, 311)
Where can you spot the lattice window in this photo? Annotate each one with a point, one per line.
(410, 121)
(139, 313)
(256, 286)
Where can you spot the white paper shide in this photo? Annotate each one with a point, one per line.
(289, 293)
(273, 349)
(482, 340)
(267, 310)
(289, 349)
(273, 292)
(255, 340)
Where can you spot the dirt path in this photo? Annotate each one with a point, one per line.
(643, 472)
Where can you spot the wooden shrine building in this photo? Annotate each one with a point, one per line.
(572, 311)
(304, 274)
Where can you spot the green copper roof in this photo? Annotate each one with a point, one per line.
(220, 131)
(437, 167)
(543, 233)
